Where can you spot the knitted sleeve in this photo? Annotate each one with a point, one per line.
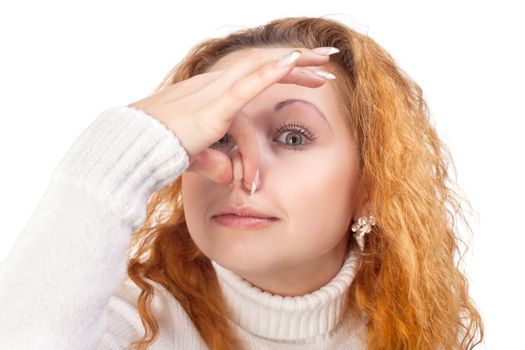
(70, 257)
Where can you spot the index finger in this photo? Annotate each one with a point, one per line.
(255, 59)
(240, 92)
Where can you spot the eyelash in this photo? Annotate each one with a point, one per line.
(298, 127)
(294, 126)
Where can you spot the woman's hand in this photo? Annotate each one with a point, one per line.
(201, 109)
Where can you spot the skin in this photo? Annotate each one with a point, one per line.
(311, 191)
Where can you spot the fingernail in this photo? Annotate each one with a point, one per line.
(289, 58)
(326, 50)
(255, 182)
(323, 74)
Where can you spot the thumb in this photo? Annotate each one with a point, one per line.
(214, 165)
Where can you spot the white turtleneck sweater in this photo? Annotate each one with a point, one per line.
(64, 284)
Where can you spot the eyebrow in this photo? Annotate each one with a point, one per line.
(286, 102)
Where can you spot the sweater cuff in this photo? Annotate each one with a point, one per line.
(123, 157)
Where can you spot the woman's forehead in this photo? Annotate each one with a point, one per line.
(323, 97)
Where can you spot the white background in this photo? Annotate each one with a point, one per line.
(63, 62)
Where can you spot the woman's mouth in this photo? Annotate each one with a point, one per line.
(243, 222)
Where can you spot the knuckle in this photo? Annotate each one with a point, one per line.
(265, 73)
(235, 90)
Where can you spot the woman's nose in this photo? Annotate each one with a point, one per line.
(238, 171)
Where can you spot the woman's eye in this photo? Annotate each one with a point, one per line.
(296, 136)
(222, 142)
(292, 139)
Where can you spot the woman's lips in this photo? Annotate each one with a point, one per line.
(243, 222)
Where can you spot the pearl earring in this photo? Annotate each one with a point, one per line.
(363, 225)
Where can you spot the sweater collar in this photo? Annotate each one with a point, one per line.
(283, 317)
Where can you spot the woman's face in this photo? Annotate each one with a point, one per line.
(308, 184)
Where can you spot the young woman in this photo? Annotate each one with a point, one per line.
(282, 188)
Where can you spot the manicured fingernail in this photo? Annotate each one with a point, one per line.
(255, 182)
(323, 74)
(326, 50)
(289, 58)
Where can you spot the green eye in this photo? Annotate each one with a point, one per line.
(297, 132)
(292, 139)
(297, 137)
